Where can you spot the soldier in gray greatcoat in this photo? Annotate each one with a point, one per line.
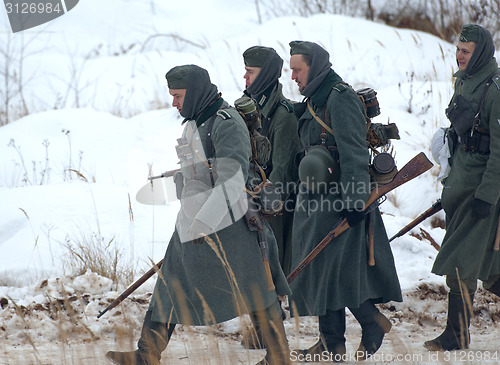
(263, 68)
(213, 268)
(262, 72)
(332, 129)
(471, 192)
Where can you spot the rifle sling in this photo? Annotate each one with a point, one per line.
(318, 119)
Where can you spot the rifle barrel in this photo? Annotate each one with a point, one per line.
(436, 207)
(132, 288)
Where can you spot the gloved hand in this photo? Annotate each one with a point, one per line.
(197, 231)
(354, 217)
(480, 208)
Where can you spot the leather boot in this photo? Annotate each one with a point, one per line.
(495, 288)
(456, 335)
(154, 339)
(252, 339)
(332, 339)
(374, 326)
(273, 338)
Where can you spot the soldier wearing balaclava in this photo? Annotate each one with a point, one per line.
(263, 68)
(213, 268)
(279, 125)
(471, 190)
(332, 129)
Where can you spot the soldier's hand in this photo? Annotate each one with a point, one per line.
(480, 209)
(197, 231)
(354, 217)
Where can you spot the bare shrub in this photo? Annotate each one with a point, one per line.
(442, 18)
(91, 251)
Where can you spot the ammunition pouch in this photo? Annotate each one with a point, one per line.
(379, 134)
(476, 142)
(184, 150)
(460, 114)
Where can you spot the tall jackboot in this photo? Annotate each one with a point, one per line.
(456, 335)
(332, 339)
(154, 339)
(252, 339)
(273, 338)
(374, 326)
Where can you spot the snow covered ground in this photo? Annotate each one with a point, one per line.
(101, 121)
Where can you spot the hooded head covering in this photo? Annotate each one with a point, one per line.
(200, 92)
(319, 61)
(270, 63)
(485, 48)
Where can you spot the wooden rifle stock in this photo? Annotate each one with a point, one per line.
(415, 167)
(436, 207)
(132, 288)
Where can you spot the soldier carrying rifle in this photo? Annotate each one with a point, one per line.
(469, 155)
(213, 268)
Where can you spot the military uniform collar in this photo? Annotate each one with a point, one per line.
(321, 94)
(479, 77)
(272, 97)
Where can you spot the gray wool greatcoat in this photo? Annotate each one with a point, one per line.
(279, 124)
(203, 285)
(339, 276)
(468, 244)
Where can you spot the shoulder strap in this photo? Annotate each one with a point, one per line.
(318, 119)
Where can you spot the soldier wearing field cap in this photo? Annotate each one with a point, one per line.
(262, 72)
(335, 184)
(213, 268)
(471, 191)
(263, 68)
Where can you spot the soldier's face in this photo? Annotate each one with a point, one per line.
(300, 70)
(178, 98)
(464, 53)
(250, 75)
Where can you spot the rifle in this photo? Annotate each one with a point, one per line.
(132, 288)
(436, 207)
(415, 167)
(168, 173)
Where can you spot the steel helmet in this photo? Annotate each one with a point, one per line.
(318, 169)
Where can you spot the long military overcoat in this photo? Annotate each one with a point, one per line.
(279, 124)
(339, 276)
(468, 243)
(199, 284)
